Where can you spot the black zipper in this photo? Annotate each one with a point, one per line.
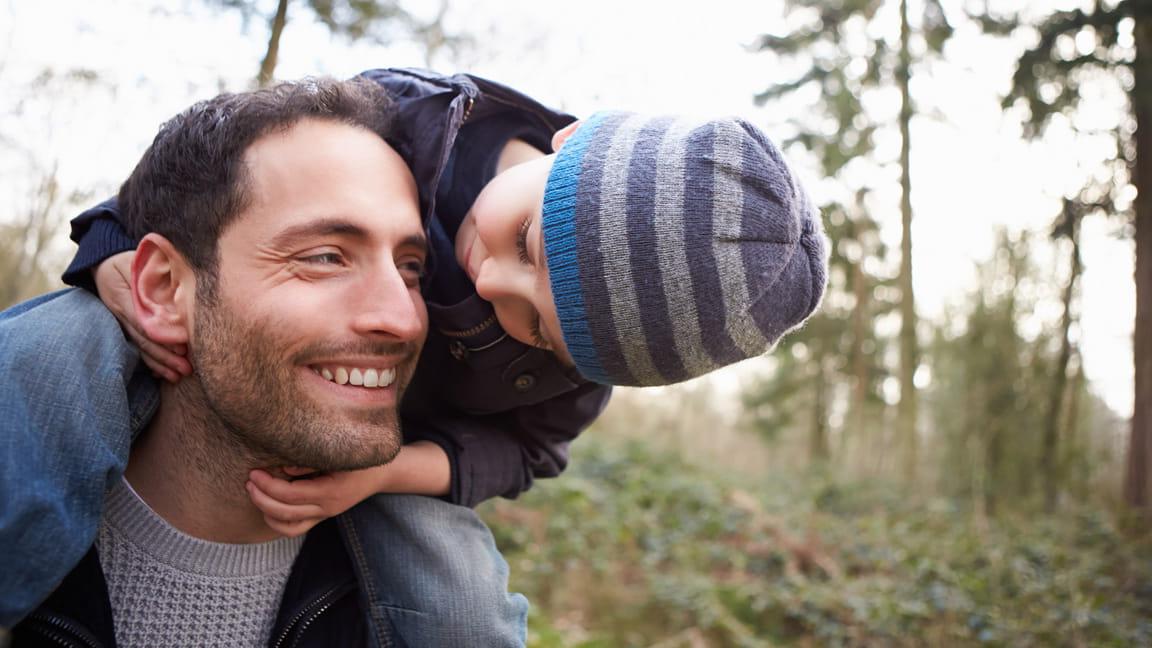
(467, 111)
(309, 614)
(63, 631)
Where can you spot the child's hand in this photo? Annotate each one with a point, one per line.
(292, 508)
(113, 283)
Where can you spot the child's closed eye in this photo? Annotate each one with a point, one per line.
(538, 339)
(522, 242)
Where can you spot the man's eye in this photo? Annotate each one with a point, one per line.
(412, 271)
(327, 258)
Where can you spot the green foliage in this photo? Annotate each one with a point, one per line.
(1049, 75)
(843, 60)
(636, 547)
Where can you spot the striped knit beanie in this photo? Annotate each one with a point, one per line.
(676, 246)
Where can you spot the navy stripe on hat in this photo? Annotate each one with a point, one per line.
(700, 184)
(656, 333)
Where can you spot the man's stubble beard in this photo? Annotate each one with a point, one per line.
(252, 396)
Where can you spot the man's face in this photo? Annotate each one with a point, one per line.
(317, 320)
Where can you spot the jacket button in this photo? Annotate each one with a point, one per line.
(458, 350)
(524, 382)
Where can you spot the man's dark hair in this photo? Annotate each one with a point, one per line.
(192, 182)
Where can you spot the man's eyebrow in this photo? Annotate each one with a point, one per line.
(315, 229)
(418, 241)
(337, 227)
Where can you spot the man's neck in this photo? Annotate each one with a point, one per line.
(191, 471)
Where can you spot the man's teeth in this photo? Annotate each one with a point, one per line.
(358, 377)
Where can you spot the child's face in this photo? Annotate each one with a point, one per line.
(500, 245)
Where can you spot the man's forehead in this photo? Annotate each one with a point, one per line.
(323, 170)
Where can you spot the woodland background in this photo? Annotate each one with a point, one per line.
(971, 472)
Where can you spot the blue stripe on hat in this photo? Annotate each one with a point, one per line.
(560, 249)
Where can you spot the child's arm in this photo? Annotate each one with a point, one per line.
(293, 506)
(502, 454)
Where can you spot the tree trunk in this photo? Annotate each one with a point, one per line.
(1049, 464)
(818, 439)
(276, 28)
(1136, 482)
(994, 453)
(1076, 442)
(907, 410)
(858, 424)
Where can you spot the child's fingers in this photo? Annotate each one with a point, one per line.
(297, 471)
(286, 512)
(158, 354)
(290, 529)
(161, 371)
(302, 491)
(280, 489)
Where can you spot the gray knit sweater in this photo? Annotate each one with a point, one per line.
(170, 589)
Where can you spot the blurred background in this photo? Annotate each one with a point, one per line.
(953, 452)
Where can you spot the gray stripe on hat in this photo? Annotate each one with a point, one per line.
(678, 274)
(727, 213)
(698, 241)
(617, 266)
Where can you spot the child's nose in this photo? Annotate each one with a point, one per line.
(501, 279)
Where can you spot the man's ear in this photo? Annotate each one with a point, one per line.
(561, 135)
(163, 291)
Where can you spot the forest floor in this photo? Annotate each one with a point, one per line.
(636, 547)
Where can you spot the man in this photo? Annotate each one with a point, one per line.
(281, 239)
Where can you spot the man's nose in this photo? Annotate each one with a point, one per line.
(388, 307)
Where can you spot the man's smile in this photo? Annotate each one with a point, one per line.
(357, 376)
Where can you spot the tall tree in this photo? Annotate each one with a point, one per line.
(845, 62)
(1092, 199)
(988, 390)
(1067, 227)
(380, 21)
(1076, 47)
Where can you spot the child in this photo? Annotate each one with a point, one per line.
(744, 265)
